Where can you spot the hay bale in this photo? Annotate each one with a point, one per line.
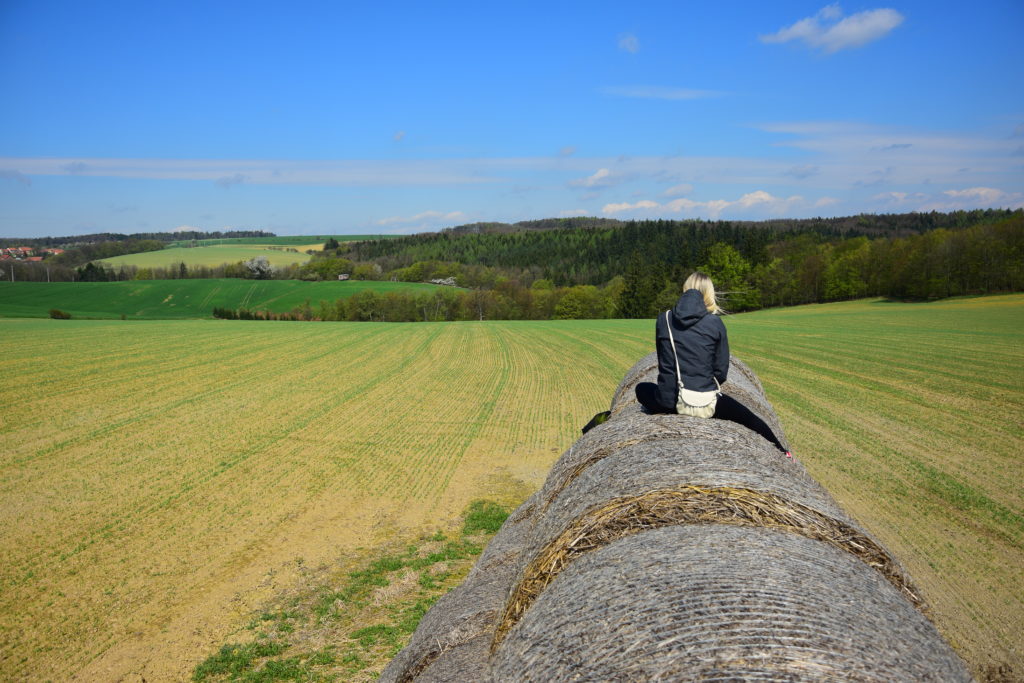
(742, 384)
(665, 547)
(455, 635)
(722, 603)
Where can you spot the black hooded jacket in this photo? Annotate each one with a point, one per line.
(701, 345)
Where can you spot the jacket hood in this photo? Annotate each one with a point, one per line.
(690, 308)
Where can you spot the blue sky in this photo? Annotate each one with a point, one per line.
(307, 117)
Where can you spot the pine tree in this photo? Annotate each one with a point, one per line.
(640, 290)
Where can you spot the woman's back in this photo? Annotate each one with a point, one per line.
(692, 341)
(701, 345)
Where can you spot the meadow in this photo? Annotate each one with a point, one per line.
(163, 480)
(177, 299)
(211, 256)
(299, 242)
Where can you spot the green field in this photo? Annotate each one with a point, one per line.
(163, 481)
(176, 299)
(286, 240)
(206, 256)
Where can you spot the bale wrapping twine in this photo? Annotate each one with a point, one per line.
(665, 547)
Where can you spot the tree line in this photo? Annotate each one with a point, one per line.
(73, 241)
(980, 259)
(635, 269)
(507, 301)
(574, 251)
(804, 268)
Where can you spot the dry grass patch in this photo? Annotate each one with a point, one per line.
(346, 625)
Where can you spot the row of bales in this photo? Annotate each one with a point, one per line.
(664, 547)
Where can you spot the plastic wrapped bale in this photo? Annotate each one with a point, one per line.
(666, 502)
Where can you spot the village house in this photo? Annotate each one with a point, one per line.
(18, 252)
(27, 253)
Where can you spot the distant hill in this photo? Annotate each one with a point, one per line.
(215, 255)
(95, 238)
(591, 251)
(540, 224)
(871, 225)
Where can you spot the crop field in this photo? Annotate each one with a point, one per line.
(175, 299)
(162, 479)
(912, 416)
(295, 241)
(209, 256)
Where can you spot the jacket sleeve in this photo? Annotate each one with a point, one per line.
(721, 360)
(667, 388)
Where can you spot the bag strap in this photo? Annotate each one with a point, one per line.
(679, 378)
(668, 322)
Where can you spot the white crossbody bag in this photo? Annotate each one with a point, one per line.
(689, 402)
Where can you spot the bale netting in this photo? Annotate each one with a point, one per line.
(665, 547)
(706, 602)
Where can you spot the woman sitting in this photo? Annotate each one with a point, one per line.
(693, 362)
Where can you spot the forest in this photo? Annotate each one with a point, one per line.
(647, 262)
(598, 268)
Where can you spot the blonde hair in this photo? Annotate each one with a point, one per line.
(702, 283)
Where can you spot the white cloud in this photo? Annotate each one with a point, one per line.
(573, 212)
(826, 201)
(976, 198)
(424, 217)
(820, 159)
(678, 190)
(567, 151)
(953, 200)
(896, 199)
(601, 178)
(987, 195)
(625, 206)
(344, 172)
(831, 12)
(755, 198)
(187, 228)
(890, 156)
(758, 201)
(629, 43)
(828, 31)
(659, 92)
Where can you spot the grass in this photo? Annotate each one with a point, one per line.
(345, 626)
(176, 299)
(207, 256)
(295, 241)
(909, 414)
(169, 480)
(164, 472)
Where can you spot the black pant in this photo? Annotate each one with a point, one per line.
(727, 408)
